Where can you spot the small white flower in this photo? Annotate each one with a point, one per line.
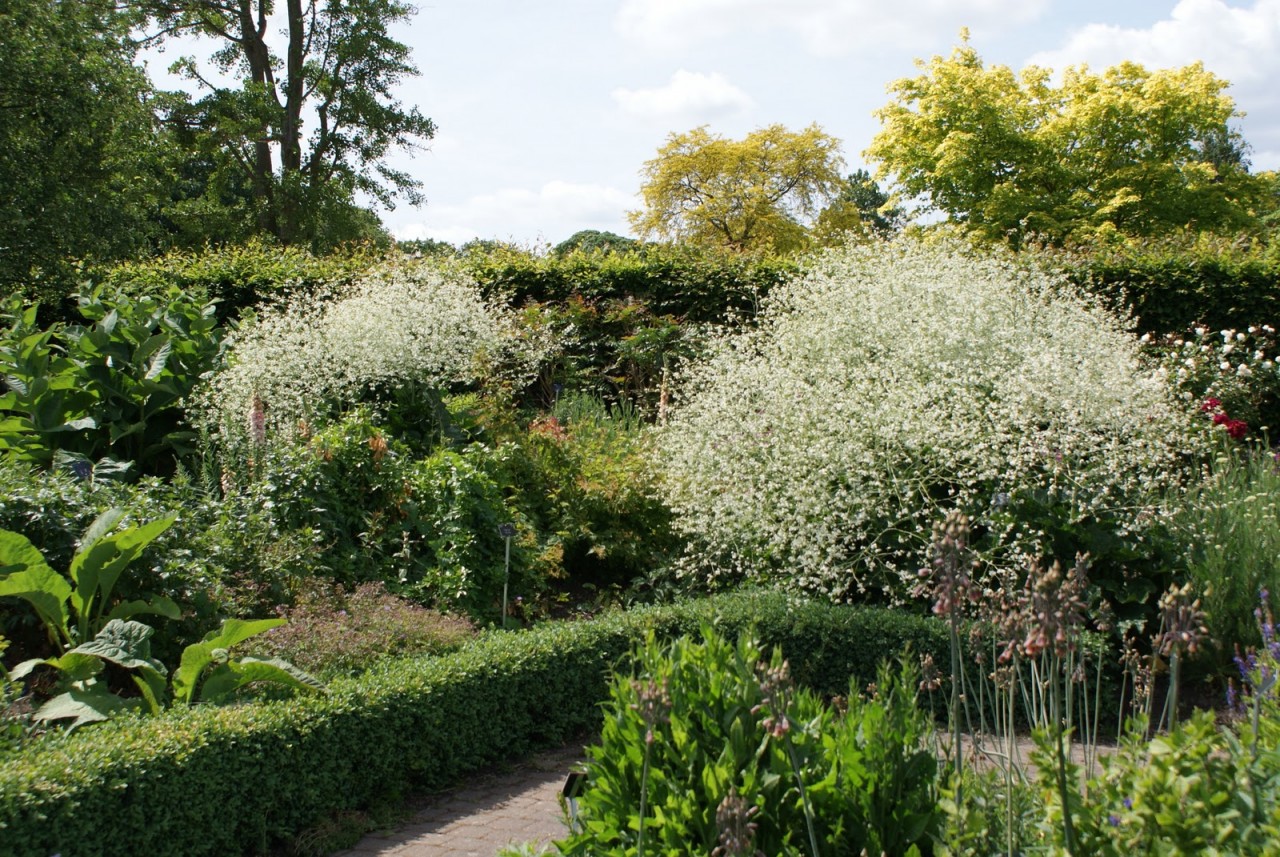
(1243, 370)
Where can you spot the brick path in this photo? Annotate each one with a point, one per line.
(475, 821)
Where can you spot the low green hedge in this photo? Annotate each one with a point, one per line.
(692, 283)
(224, 781)
(1169, 286)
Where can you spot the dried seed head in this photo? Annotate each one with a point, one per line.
(775, 698)
(1182, 622)
(930, 678)
(947, 580)
(653, 703)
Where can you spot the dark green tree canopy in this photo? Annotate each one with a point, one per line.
(594, 240)
(79, 168)
(306, 131)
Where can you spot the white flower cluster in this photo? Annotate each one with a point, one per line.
(1229, 372)
(405, 323)
(891, 383)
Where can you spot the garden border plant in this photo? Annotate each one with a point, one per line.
(191, 782)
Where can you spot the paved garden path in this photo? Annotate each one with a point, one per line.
(493, 811)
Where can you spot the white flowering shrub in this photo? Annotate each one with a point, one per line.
(891, 383)
(402, 326)
(1230, 375)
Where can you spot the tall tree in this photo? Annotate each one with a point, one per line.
(862, 208)
(79, 175)
(1010, 154)
(761, 191)
(307, 128)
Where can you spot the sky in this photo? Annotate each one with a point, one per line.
(547, 111)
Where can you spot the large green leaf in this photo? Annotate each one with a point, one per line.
(72, 667)
(98, 565)
(29, 577)
(197, 656)
(161, 605)
(234, 675)
(127, 644)
(89, 705)
(103, 524)
(235, 631)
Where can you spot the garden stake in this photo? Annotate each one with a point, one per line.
(506, 531)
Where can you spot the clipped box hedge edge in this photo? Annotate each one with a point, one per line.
(233, 780)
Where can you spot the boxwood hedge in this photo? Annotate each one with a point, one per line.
(235, 780)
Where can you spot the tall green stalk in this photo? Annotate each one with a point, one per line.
(644, 793)
(804, 797)
(1055, 702)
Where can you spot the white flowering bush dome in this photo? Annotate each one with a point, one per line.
(403, 325)
(891, 383)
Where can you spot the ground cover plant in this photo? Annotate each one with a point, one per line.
(331, 631)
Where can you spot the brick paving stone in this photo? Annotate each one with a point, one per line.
(477, 820)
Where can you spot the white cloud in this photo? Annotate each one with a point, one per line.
(827, 27)
(551, 213)
(688, 95)
(1238, 43)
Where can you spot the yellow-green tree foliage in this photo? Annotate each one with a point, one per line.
(1011, 155)
(761, 192)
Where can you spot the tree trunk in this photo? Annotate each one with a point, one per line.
(258, 57)
(291, 125)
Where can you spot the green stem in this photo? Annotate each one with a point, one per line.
(644, 789)
(1068, 827)
(804, 797)
(955, 702)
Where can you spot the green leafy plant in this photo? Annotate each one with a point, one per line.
(74, 608)
(89, 630)
(1228, 523)
(107, 396)
(708, 741)
(207, 667)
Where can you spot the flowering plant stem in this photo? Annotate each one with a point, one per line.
(804, 795)
(644, 791)
(956, 679)
(1055, 692)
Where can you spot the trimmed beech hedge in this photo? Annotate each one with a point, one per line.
(1170, 287)
(224, 781)
(692, 283)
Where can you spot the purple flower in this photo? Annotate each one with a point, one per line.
(1113, 820)
(1128, 803)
